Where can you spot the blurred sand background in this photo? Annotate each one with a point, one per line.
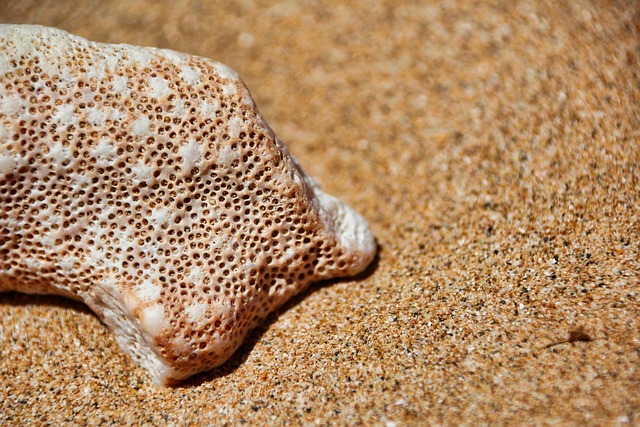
(494, 148)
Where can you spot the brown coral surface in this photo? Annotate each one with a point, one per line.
(493, 147)
(145, 183)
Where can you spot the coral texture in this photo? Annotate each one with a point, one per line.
(145, 183)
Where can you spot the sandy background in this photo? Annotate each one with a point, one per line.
(495, 149)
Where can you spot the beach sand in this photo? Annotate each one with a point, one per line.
(494, 148)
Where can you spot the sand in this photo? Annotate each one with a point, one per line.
(494, 148)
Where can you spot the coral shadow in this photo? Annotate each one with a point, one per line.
(17, 299)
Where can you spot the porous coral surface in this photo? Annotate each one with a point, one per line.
(145, 183)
